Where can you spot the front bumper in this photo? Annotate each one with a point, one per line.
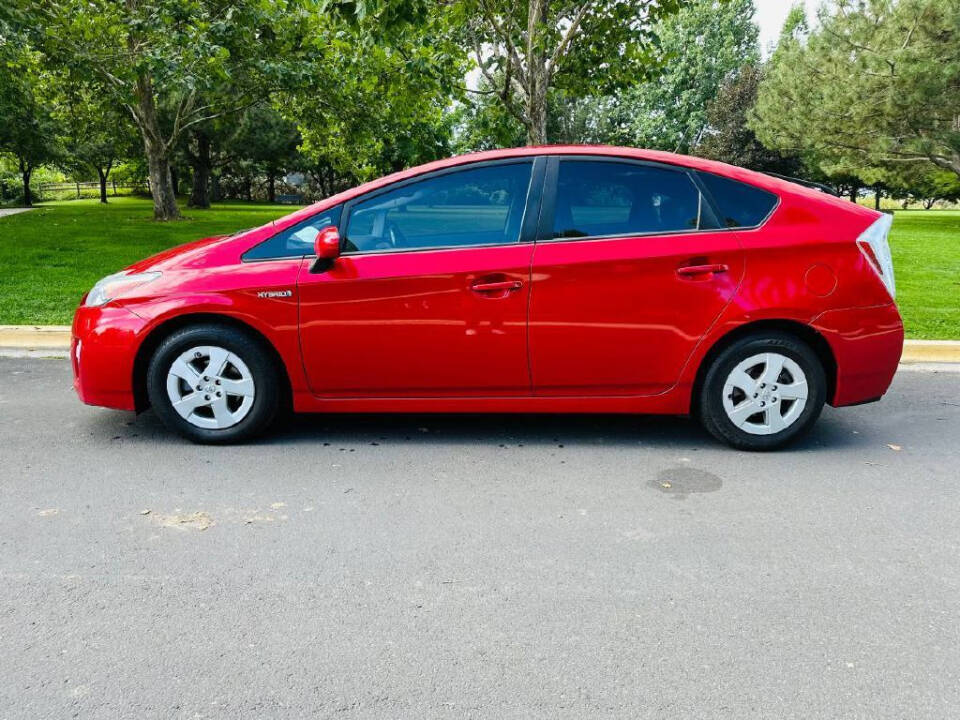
(103, 347)
(867, 344)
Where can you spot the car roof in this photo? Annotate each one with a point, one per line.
(768, 182)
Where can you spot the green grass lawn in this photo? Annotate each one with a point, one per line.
(49, 257)
(926, 263)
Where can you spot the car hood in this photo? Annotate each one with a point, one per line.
(196, 253)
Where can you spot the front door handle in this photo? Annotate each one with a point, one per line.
(502, 286)
(699, 270)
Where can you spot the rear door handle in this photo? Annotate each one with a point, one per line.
(500, 286)
(694, 270)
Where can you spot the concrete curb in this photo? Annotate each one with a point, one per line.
(34, 338)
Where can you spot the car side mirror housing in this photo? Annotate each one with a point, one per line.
(327, 248)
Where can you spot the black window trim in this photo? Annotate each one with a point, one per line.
(531, 209)
(708, 204)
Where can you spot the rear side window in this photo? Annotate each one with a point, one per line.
(596, 199)
(738, 204)
(295, 241)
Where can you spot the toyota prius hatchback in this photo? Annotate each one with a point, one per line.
(560, 279)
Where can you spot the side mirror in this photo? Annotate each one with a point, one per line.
(327, 244)
(327, 249)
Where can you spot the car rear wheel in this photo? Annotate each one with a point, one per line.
(213, 384)
(763, 391)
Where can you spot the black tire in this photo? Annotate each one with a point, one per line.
(710, 403)
(250, 350)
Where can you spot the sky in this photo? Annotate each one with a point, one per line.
(771, 14)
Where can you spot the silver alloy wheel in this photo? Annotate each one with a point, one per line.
(765, 394)
(210, 387)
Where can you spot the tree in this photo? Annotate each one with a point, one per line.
(270, 141)
(387, 86)
(924, 184)
(524, 50)
(705, 42)
(729, 138)
(876, 83)
(94, 134)
(27, 130)
(207, 148)
(162, 60)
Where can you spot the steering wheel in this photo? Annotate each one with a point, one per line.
(395, 237)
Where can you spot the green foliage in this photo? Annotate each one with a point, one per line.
(923, 184)
(729, 139)
(582, 47)
(186, 49)
(94, 134)
(704, 43)
(265, 138)
(664, 98)
(176, 64)
(876, 84)
(376, 98)
(27, 130)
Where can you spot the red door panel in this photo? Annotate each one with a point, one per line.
(621, 316)
(431, 323)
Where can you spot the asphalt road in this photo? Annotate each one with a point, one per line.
(493, 567)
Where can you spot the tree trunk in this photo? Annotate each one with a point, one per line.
(877, 195)
(157, 151)
(27, 197)
(164, 200)
(174, 179)
(202, 165)
(538, 76)
(854, 193)
(200, 192)
(537, 117)
(103, 183)
(271, 187)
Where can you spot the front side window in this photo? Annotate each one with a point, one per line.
(597, 198)
(295, 241)
(479, 206)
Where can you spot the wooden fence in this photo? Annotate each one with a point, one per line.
(78, 190)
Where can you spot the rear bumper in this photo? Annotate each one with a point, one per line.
(867, 344)
(103, 346)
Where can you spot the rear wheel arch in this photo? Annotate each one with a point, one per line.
(803, 332)
(165, 329)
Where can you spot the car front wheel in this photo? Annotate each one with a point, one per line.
(213, 384)
(763, 391)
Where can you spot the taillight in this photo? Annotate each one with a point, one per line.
(875, 246)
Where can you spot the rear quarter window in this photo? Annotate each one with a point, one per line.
(738, 204)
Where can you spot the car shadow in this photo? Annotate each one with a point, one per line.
(512, 429)
(495, 430)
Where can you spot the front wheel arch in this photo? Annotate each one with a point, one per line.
(799, 330)
(165, 329)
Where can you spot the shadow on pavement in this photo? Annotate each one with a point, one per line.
(831, 431)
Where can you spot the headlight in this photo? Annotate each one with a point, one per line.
(117, 285)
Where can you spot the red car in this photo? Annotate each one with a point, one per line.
(554, 279)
